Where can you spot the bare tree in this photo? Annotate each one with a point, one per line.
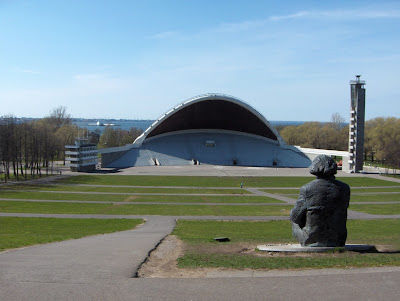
(59, 117)
(337, 122)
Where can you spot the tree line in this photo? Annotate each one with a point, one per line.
(30, 148)
(381, 137)
(330, 135)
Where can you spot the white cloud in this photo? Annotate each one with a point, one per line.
(341, 14)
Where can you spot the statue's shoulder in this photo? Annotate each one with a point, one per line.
(342, 184)
(309, 185)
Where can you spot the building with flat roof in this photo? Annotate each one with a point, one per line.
(212, 129)
(81, 156)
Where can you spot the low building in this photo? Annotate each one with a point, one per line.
(82, 156)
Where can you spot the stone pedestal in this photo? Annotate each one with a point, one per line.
(299, 248)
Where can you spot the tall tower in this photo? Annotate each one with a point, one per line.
(357, 124)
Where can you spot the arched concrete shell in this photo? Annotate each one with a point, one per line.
(212, 111)
(208, 129)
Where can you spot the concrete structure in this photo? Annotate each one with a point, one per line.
(357, 124)
(82, 156)
(208, 129)
(312, 153)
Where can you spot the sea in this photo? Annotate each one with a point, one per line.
(99, 125)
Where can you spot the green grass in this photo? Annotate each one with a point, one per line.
(135, 198)
(371, 190)
(126, 190)
(380, 231)
(281, 191)
(366, 182)
(353, 190)
(28, 177)
(384, 209)
(232, 261)
(377, 232)
(214, 181)
(175, 210)
(376, 198)
(18, 232)
(198, 232)
(199, 235)
(187, 181)
(61, 196)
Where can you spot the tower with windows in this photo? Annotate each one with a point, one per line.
(357, 124)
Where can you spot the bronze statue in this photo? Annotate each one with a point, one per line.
(320, 214)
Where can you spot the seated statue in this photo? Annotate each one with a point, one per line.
(320, 213)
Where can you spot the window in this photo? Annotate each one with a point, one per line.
(210, 143)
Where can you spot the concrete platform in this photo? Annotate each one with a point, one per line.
(299, 248)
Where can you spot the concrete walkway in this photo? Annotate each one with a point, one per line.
(99, 258)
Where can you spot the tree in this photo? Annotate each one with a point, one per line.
(117, 137)
(290, 135)
(135, 132)
(337, 122)
(65, 135)
(59, 117)
(318, 135)
(109, 138)
(383, 140)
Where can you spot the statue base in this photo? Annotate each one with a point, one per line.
(299, 248)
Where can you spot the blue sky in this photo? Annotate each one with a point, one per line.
(290, 60)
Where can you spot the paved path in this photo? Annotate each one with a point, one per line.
(96, 260)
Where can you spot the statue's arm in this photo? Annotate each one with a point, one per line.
(298, 213)
(348, 196)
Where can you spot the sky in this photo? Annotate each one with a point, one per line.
(290, 60)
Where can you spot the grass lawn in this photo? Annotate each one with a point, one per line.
(175, 210)
(282, 191)
(135, 198)
(376, 198)
(353, 190)
(126, 190)
(214, 181)
(202, 251)
(18, 232)
(385, 209)
(370, 190)
(22, 178)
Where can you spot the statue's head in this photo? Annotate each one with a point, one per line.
(323, 167)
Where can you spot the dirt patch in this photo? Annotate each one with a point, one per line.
(162, 262)
(130, 198)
